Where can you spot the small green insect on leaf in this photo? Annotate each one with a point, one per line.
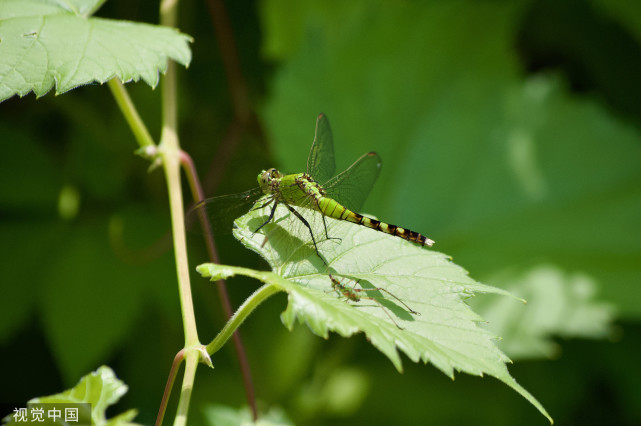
(43, 44)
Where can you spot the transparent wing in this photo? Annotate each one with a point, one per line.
(351, 187)
(217, 214)
(320, 162)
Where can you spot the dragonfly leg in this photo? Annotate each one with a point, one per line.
(271, 216)
(302, 219)
(265, 204)
(410, 310)
(325, 226)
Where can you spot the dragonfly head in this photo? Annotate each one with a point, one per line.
(266, 179)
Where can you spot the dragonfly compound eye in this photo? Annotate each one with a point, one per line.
(263, 178)
(266, 176)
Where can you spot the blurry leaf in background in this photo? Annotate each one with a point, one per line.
(559, 304)
(61, 268)
(627, 13)
(500, 170)
(27, 243)
(23, 156)
(592, 43)
(29, 185)
(341, 394)
(44, 43)
(68, 202)
(220, 415)
(91, 291)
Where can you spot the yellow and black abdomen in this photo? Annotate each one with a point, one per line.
(332, 208)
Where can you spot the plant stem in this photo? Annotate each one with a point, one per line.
(169, 152)
(178, 359)
(169, 149)
(186, 390)
(231, 62)
(241, 314)
(128, 109)
(198, 195)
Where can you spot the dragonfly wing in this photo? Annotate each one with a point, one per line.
(351, 187)
(217, 214)
(320, 162)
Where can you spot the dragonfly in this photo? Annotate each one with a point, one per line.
(317, 190)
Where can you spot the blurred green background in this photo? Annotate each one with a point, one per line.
(509, 132)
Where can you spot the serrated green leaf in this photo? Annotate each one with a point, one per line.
(43, 44)
(101, 389)
(445, 331)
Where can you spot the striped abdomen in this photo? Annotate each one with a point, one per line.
(331, 208)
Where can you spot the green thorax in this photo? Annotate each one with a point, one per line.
(295, 189)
